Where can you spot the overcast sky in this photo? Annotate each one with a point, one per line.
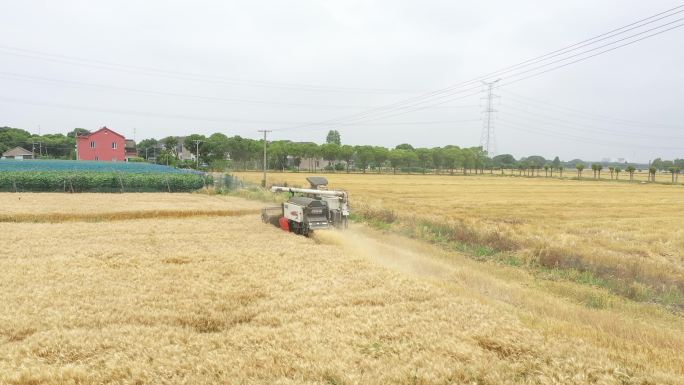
(174, 68)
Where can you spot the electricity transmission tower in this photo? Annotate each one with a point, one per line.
(487, 140)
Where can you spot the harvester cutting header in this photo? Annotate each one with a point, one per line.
(315, 208)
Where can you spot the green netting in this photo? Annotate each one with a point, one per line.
(54, 181)
(87, 166)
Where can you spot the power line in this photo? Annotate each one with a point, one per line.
(582, 126)
(445, 92)
(601, 37)
(402, 111)
(591, 56)
(204, 118)
(555, 108)
(418, 102)
(83, 62)
(21, 77)
(581, 139)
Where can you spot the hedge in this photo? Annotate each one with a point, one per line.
(51, 181)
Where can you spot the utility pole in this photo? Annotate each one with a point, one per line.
(263, 180)
(40, 144)
(197, 142)
(487, 140)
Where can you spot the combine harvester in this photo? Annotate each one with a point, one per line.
(315, 208)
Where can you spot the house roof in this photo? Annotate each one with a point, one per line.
(130, 143)
(105, 128)
(17, 151)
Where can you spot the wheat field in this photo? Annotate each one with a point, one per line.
(631, 231)
(226, 299)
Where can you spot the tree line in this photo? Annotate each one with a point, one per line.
(246, 153)
(219, 151)
(56, 146)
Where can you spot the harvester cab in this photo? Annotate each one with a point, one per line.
(315, 208)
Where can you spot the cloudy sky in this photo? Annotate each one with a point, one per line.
(366, 68)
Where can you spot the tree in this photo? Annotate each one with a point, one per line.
(310, 151)
(652, 173)
(364, 156)
(556, 163)
(657, 163)
(597, 167)
(347, 154)
(167, 157)
(630, 170)
(580, 168)
(56, 145)
(333, 137)
(424, 156)
(77, 132)
(396, 159)
(468, 159)
(612, 171)
(438, 158)
(277, 154)
(454, 158)
(679, 163)
(380, 156)
(480, 158)
(331, 152)
(216, 148)
(675, 173)
(546, 170)
(241, 149)
(13, 137)
(404, 146)
(193, 146)
(410, 159)
(171, 145)
(503, 161)
(560, 170)
(146, 147)
(617, 170)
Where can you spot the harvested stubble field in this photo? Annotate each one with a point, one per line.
(209, 299)
(630, 234)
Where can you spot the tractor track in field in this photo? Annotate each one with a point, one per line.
(119, 216)
(390, 251)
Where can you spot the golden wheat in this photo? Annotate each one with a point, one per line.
(231, 300)
(630, 230)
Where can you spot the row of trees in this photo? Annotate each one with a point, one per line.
(57, 146)
(247, 153)
(244, 153)
(615, 171)
(665, 165)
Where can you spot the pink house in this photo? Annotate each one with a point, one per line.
(103, 144)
